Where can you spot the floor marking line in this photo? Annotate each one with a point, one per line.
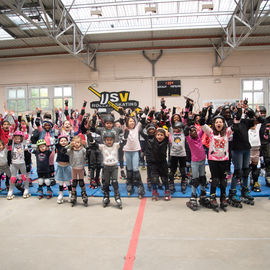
(130, 257)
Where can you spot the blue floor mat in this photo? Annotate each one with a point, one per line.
(123, 192)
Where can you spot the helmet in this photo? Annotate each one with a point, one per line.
(18, 133)
(262, 109)
(62, 136)
(151, 126)
(218, 116)
(178, 125)
(47, 121)
(41, 142)
(109, 134)
(108, 118)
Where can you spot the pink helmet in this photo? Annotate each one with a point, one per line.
(62, 136)
(18, 133)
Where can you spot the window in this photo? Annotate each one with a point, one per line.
(255, 91)
(60, 94)
(16, 99)
(21, 99)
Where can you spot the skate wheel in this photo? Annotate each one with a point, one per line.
(10, 197)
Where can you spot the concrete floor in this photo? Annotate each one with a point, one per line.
(43, 235)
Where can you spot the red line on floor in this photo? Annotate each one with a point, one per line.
(130, 257)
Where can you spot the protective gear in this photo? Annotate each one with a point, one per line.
(109, 134)
(108, 118)
(218, 117)
(41, 142)
(47, 122)
(130, 188)
(195, 182)
(250, 113)
(213, 202)
(262, 109)
(192, 203)
(62, 136)
(18, 133)
(178, 125)
(202, 180)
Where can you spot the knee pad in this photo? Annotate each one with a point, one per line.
(115, 184)
(195, 182)
(246, 172)
(24, 177)
(202, 180)
(237, 174)
(81, 183)
(47, 182)
(155, 180)
(74, 183)
(215, 182)
(40, 181)
(13, 180)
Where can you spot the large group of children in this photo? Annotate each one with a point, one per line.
(164, 139)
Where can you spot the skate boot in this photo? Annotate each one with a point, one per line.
(60, 198)
(183, 186)
(49, 193)
(204, 201)
(26, 193)
(155, 195)
(192, 203)
(122, 175)
(93, 184)
(19, 186)
(149, 185)
(106, 199)
(213, 203)
(85, 198)
(234, 200)
(130, 189)
(167, 195)
(223, 203)
(256, 187)
(98, 181)
(171, 186)
(246, 197)
(40, 193)
(118, 200)
(53, 182)
(10, 195)
(73, 198)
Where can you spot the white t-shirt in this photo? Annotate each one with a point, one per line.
(110, 154)
(254, 136)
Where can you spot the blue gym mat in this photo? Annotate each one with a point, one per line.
(122, 188)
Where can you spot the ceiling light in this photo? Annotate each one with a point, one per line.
(96, 12)
(150, 9)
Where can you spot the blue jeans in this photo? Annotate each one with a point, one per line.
(132, 160)
(240, 159)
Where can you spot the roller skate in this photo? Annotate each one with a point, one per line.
(192, 203)
(155, 195)
(40, 193)
(246, 197)
(118, 201)
(213, 203)
(85, 198)
(256, 187)
(204, 201)
(122, 175)
(141, 191)
(60, 198)
(49, 193)
(98, 181)
(73, 198)
(26, 193)
(167, 195)
(93, 184)
(234, 200)
(183, 186)
(10, 195)
(223, 203)
(106, 200)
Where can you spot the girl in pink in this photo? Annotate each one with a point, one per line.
(218, 157)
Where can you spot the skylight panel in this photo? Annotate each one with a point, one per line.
(5, 35)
